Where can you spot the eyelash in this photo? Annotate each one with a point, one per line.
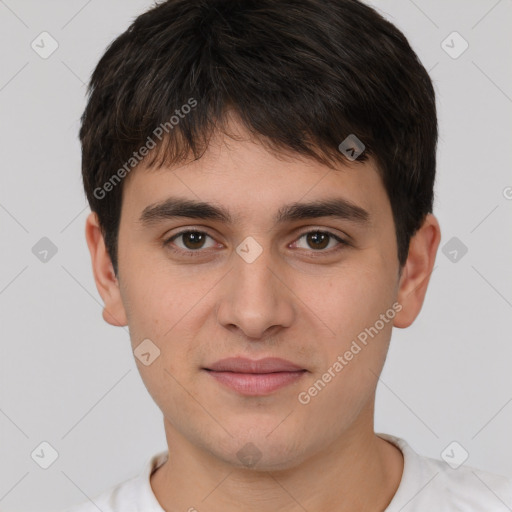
(168, 243)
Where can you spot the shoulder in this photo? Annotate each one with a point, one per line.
(116, 498)
(133, 495)
(429, 484)
(469, 489)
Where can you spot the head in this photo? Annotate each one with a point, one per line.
(225, 118)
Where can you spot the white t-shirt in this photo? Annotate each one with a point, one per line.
(427, 485)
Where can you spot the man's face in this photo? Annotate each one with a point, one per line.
(305, 298)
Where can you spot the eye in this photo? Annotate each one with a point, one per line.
(190, 240)
(320, 240)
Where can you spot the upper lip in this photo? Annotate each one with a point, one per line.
(244, 365)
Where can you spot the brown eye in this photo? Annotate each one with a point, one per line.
(193, 240)
(190, 240)
(318, 240)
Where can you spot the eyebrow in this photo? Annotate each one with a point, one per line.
(174, 207)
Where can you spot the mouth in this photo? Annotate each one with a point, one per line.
(255, 377)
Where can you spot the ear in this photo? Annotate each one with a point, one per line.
(416, 272)
(106, 281)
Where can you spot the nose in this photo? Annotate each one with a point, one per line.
(255, 298)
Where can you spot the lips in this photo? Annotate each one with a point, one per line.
(243, 365)
(255, 377)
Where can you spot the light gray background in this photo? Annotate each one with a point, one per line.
(69, 379)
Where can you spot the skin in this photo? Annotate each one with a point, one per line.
(287, 303)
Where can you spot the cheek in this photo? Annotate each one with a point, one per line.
(156, 298)
(352, 307)
(352, 298)
(171, 312)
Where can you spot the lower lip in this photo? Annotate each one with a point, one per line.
(254, 384)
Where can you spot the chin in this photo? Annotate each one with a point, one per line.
(256, 450)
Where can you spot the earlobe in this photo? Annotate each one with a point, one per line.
(417, 270)
(104, 276)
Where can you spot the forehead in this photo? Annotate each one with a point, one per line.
(247, 179)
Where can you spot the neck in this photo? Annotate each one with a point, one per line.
(360, 471)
